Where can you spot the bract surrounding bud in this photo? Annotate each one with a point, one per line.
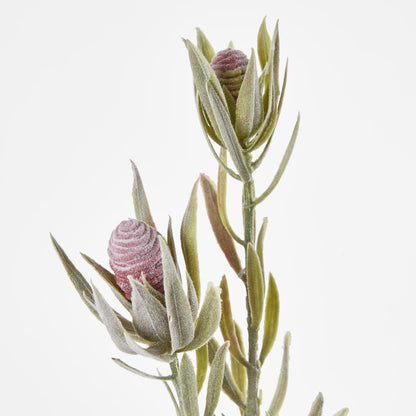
(230, 65)
(134, 250)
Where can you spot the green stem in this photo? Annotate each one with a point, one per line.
(253, 371)
(174, 366)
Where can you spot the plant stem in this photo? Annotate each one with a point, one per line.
(174, 366)
(253, 371)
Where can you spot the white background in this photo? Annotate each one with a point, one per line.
(87, 85)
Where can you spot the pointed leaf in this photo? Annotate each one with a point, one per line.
(141, 206)
(317, 406)
(77, 279)
(216, 377)
(149, 315)
(271, 320)
(208, 319)
(202, 72)
(229, 386)
(189, 240)
(201, 365)
(230, 103)
(238, 370)
(189, 392)
(282, 165)
(192, 298)
(263, 44)
(181, 324)
(203, 45)
(248, 107)
(171, 243)
(280, 392)
(255, 286)
(224, 239)
(227, 323)
(227, 133)
(111, 280)
(260, 241)
(133, 370)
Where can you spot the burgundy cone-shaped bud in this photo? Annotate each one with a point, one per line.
(230, 65)
(134, 250)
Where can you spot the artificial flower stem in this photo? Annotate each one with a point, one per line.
(174, 366)
(253, 371)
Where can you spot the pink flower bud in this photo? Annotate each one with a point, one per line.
(230, 65)
(134, 250)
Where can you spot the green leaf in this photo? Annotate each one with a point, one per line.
(202, 72)
(317, 406)
(224, 239)
(189, 392)
(110, 280)
(255, 286)
(116, 331)
(263, 44)
(260, 241)
(248, 107)
(141, 206)
(189, 240)
(141, 373)
(227, 133)
(171, 243)
(282, 165)
(227, 323)
(216, 378)
(238, 370)
(203, 45)
(181, 324)
(208, 319)
(229, 385)
(342, 412)
(271, 320)
(192, 298)
(230, 103)
(201, 365)
(77, 279)
(149, 315)
(280, 392)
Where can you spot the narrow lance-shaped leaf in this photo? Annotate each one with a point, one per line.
(171, 243)
(238, 370)
(208, 319)
(81, 285)
(110, 279)
(149, 315)
(224, 239)
(317, 406)
(229, 386)
(248, 107)
(202, 72)
(181, 325)
(201, 365)
(263, 44)
(141, 206)
(189, 240)
(204, 45)
(222, 196)
(260, 242)
(271, 320)
(222, 119)
(282, 165)
(255, 286)
(280, 392)
(192, 298)
(216, 377)
(140, 373)
(189, 392)
(227, 323)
